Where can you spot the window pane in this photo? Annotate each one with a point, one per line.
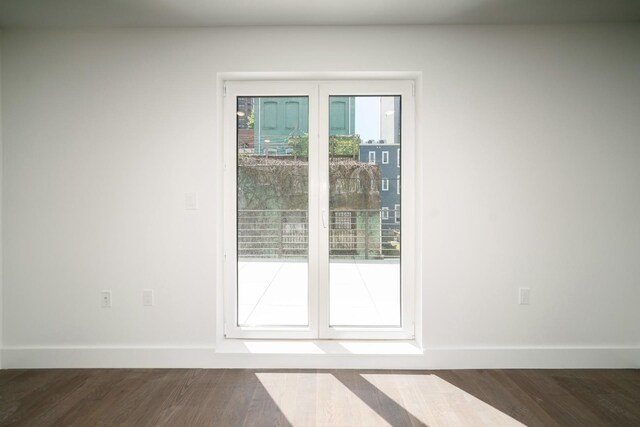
(364, 235)
(273, 235)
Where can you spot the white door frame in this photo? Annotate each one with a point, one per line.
(318, 93)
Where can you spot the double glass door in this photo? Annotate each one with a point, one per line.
(315, 184)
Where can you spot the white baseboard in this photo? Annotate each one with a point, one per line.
(106, 357)
(430, 358)
(536, 357)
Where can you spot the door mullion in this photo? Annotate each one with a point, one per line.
(315, 220)
(323, 204)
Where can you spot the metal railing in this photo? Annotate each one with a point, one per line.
(353, 234)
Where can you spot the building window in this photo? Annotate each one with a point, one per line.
(398, 185)
(385, 184)
(396, 213)
(385, 157)
(372, 157)
(384, 212)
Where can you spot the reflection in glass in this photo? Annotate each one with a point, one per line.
(272, 201)
(364, 206)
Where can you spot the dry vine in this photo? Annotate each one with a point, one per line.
(282, 182)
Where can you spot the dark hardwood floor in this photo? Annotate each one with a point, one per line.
(195, 397)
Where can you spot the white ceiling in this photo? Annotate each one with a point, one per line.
(178, 13)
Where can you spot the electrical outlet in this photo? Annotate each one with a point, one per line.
(147, 297)
(523, 296)
(105, 299)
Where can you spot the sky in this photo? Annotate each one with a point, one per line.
(368, 117)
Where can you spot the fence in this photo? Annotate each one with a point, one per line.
(361, 234)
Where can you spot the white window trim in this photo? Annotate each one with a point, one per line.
(398, 157)
(398, 184)
(408, 265)
(385, 157)
(396, 210)
(372, 157)
(385, 184)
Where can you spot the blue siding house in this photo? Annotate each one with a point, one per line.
(387, 157)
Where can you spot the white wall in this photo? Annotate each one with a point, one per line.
(531, 178)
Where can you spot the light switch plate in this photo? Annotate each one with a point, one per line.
(191, 201)
(147, 297)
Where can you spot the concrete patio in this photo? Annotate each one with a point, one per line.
(362, 292)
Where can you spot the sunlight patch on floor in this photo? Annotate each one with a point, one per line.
(436, 402)
(317, 399)
(348, 398)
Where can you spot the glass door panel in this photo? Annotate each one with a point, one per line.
(364, 211)
(272, 135)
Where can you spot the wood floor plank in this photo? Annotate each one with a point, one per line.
(109, 402)
(384, 404)
(198, 407)
(181, 393)
(558, 402)
(86, 386)
(496, 389)
(306, 392)
(35, 403)
(147, 407)
(263, 408)
(523, 407)
(226, 397)
(606, 402)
